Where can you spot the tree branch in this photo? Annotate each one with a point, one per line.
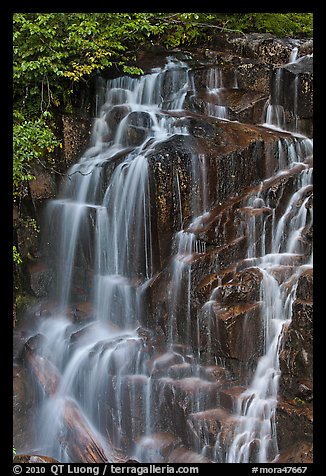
(200, 24)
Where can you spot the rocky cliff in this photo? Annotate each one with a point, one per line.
(242, 102)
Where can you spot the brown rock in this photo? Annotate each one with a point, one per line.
(237, 156)
(24, 399)
(182, 455)
(244, 287)
(263, 47)
(214, 373)
(41, 278)
(305, 286)
(133, 390)
(254, 76)
(76, 133)
(233, 333)
(43, 186)
(22, 458)
(244, 106)
(138, 127)
(294, 424)
(307, 48)
(205, 427)
(296, 355)
(115, 116)
(157, 447)
(296, 93)
(178, 398)
(229, 397)
(301, 452)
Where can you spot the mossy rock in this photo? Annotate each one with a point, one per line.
(23, 303)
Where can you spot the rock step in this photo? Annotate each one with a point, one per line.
(226, 254)
(239, 329)
(180, 371)
(305, 285)
(205, 427)
(214, 417)
(229, 397)
(211, 281)
(178, 366)
(282, 272)
(156, 447)
(183, 455)
(244, 287)
(164, 447)
(173, 400)
(225, 314)
(254, 212)
(162, 361)
(214, 373)
(224, 258)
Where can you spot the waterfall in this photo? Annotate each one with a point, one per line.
(293, 55)
(113, 210)
(256, 406)
(255, 436)
(215, 88)
(152, 391)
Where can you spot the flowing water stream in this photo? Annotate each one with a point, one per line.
(102, 218)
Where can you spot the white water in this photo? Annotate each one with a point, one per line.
(215, 87)
(121, 228)
(105, 369)
(293, 55)
(255, 438)
(274, 115)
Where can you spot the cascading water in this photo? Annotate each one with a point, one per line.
(115, 382)
(255, 436)
(277, 114)
(122, 256)
(215, 87)
(256, 406)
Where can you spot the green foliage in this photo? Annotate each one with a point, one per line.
(32, 139)
(298, 401)
(54, 52)
(281, 24)
(16, 255)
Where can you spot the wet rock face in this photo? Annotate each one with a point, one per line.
(138, 126)
(43, 186)
(245, 287)
(217, 167)
(306, 48)
(239, 339)
(115, 116)
(76, 133)
(265, 47)
(301, 452)
(41, 279)
(26, 459)
(305, 286)
(24, 399)
(179, 398)
(254, 76)
(294, 424)
(236, 155)
(297, 89)
(169, 176)
(296, 355)
(245, 106)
